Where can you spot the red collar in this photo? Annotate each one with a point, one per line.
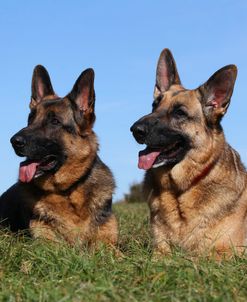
(204, 173)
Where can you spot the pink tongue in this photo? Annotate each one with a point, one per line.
(146, 160)
(26, 173)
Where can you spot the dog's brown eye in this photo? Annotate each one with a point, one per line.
(31, 117)
(155, 103)
(55, 121)
(179, 113)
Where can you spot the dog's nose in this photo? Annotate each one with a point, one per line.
(139, 131)
(18, 141)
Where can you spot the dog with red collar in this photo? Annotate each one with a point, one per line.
(195, 183)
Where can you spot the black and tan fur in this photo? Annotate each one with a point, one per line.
(197, 193)
(70, 195)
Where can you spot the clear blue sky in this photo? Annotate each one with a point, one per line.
(121, 40)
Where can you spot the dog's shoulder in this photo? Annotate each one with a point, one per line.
(100, 177)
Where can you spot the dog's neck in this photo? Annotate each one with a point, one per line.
(64, 183)
(178, 182)
(203, 173)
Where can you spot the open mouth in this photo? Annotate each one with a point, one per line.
(154, 157)
(31, 169)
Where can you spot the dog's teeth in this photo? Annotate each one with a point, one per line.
(159, 164)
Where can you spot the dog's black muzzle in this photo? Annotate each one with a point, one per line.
(143, 127)
(29, 143)
(32, 144)
(154, 133)
(19, 143)
(139, 131)
(165, 145)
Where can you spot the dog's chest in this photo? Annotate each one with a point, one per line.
(179, 216)
(56, 208)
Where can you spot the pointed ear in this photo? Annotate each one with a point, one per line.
(217, 91)
(83, 95)
(166, 73)
(41, 85)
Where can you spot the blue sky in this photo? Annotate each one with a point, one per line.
(121, 40)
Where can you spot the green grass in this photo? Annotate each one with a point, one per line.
(33, 270)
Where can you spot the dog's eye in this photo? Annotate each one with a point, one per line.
(55, 121)
(31, 117)
(179, 113)
(155, 103)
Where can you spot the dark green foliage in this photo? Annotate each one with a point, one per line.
(135, 194)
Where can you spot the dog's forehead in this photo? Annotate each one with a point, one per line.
(59, 106)
(179, 95)
(56, 104)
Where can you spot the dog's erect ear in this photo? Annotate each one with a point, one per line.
(166, 73)
(83, 95)
(41, 85)
(217, 91)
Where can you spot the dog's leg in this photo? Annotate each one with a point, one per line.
(39, 229)
(161, 242)
(161, 249)
(108, 232)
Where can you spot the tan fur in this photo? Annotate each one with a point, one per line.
(204, 216)
(200, 204)
(74, 202)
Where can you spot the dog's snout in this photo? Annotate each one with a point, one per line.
(139, 130)
(18, 141)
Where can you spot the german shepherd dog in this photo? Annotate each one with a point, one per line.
(195, 182)
(64, 189)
